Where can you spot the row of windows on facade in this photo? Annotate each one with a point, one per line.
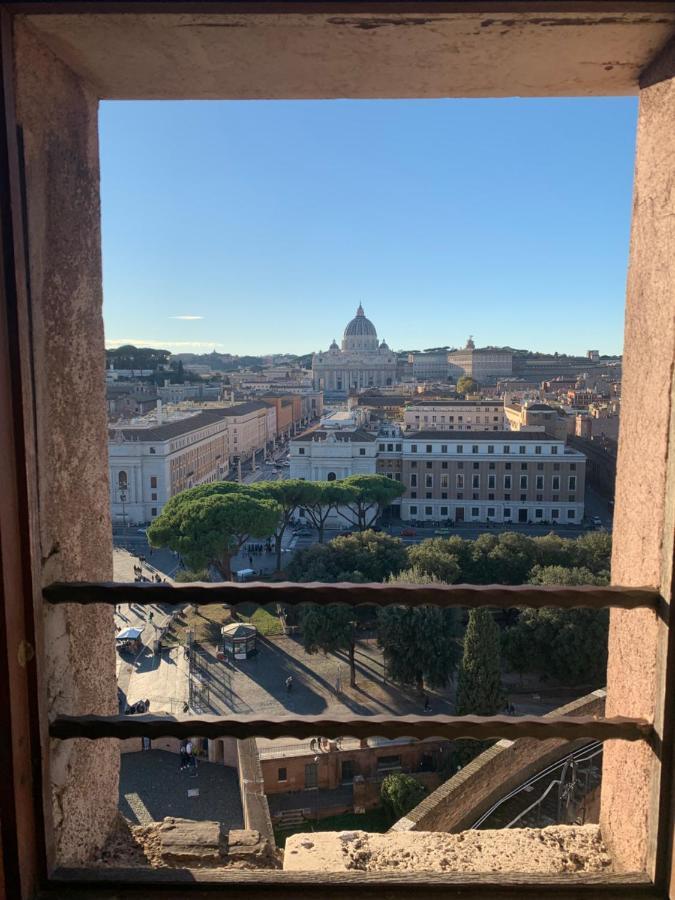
(475, 448)
(492, 481)
(347, 770)
(507, 466)
(507, 513)
(486, 419)
(301, 451)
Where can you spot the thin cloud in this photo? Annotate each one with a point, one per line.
(187, 318)
(157, 342)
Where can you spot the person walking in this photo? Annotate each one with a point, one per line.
(427, 705)
(250, 561)
(183, 756)
(289, 684)
(189, 758)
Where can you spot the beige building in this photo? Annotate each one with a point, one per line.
(251, 426)
(528, 416)
(454, 415)
(152, 462)
(500, 476)
(486, 365)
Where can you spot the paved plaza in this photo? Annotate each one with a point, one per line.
(152, 786)
(161, 678)
(320, 683)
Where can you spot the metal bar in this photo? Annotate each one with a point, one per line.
(448, 727)
(291, 594)
(331, 7)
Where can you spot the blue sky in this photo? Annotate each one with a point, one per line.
(268, 222)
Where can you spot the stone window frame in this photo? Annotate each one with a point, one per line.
(648, 335)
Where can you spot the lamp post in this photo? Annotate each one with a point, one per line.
(123, 498)
(316, 792)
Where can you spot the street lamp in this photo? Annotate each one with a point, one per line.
(123, 498)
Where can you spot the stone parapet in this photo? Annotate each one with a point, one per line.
(560, 849)
(462, 799)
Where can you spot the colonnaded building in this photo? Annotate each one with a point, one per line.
(362, 362)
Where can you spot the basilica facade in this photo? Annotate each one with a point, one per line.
(361, 363)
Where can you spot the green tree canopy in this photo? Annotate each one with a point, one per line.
(366, 556)
(321, 498)
(510, 557)
(208, 524)
(466, 385)
(479, 685)
(567, 644)
(419, 643)
(328, 629)
(400, 793)
(369, 495)
(439, 558)
(290, 494)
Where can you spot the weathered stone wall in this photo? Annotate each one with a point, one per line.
(561, 849)
(458, 802)
(57, 114)
(252, 791)
(643, 525)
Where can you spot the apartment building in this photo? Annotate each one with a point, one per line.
(454, 415)
(288, 412)
(524, 477)
(251, 428)
(530, 416)
(152, 462)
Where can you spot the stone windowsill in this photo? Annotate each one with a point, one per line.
(557, 850)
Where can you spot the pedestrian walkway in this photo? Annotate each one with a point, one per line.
(160, 678)
(152, 786)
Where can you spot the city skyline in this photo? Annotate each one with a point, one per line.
(257, 228)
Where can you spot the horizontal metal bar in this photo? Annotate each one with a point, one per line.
(291, 593)
(447, 727)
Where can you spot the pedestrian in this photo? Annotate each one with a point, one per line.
(289, 684)
(150, 617)
(427, 705)
(183, 756)
(250, 561)
(189, 759)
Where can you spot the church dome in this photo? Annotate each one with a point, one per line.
(360, 326)
(334, 346)
(360, 334)
(384, 345)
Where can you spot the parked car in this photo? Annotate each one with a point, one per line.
(443, 531)
(596, 521)
(408, 532)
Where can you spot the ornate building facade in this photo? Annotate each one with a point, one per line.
(361, 363)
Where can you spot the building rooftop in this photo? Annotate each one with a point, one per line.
(391, 400)
(357, 435)
(432, 402)
(164, 431)
(240, 409)
(465, 437)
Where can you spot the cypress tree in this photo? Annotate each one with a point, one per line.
(479, 687)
